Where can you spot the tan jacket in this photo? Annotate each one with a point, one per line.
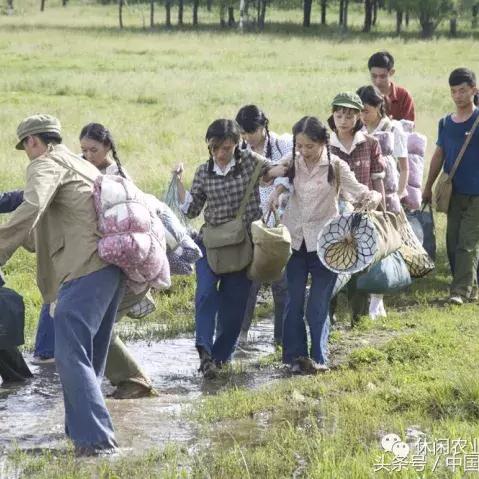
(314, 201)
(59, 215)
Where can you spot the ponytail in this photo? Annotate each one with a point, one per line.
(269, 152)
(117, 159)
(292, 169)
(331, 173)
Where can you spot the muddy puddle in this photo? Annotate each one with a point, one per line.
(31, 414)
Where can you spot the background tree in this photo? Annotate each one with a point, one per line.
(168, 13)
(42, 5)
(368, 15)
(180, 12)
(431, 13)
(307, 7)
(196, 6)
(120, 12)
(324, 6)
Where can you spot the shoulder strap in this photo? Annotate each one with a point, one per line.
(249, 189)
(464, 146)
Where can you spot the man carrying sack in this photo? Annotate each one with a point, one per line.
(57, 219)
(457, 189)
(12, 317)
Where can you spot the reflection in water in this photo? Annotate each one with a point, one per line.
(31, 414)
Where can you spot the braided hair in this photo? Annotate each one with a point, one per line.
(370, 95)
(217, 133)
(250, 118)
(311, 127)
(98, 132)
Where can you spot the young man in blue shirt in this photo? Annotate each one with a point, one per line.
(463, 215)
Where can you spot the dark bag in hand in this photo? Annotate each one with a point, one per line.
(12, 318)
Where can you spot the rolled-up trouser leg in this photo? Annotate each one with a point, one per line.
(121, 366)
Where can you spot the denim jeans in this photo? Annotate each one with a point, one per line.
(280, 294)
(220, 303)
(295, 341)
(84, 317)
(45, 339)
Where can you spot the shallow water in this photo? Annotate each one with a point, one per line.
(31, 414)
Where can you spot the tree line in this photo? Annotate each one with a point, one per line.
(429, 13)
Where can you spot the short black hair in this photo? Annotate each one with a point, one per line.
(381, 60)
(462, 75)
(49, 138)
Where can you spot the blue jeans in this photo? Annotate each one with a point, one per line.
(220, 303)
(84, 317)
(295, 340)
(45, 339)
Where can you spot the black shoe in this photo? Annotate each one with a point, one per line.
(207, 365)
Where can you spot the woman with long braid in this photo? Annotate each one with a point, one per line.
(316, 177)
(255, 131)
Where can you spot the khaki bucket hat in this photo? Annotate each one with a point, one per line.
(33, 125)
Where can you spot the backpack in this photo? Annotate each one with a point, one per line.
(12, 318)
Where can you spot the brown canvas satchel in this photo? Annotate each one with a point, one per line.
(443, 188)
(228, 245)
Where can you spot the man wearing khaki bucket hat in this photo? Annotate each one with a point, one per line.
(57, 220)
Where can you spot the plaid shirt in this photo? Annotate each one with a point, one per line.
(223, 194)
(364, 159)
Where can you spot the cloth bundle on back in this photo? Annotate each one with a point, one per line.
(391, 179)
(416, 145)
(133, 235)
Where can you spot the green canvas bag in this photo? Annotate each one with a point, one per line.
(228, 245)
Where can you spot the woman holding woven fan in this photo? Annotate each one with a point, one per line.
(316, 177)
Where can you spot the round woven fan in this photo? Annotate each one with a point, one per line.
(348, 243)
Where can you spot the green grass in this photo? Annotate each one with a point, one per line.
(158, 91)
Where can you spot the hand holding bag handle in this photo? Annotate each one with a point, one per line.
(443, 189)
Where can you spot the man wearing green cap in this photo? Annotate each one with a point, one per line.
(58, 220)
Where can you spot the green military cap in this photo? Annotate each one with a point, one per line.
(37, 124)
(348, 100)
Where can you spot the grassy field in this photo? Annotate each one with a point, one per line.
(158, 91)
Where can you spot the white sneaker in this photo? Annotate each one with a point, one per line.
(382, 310)
(375, 306)
(456, 299)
